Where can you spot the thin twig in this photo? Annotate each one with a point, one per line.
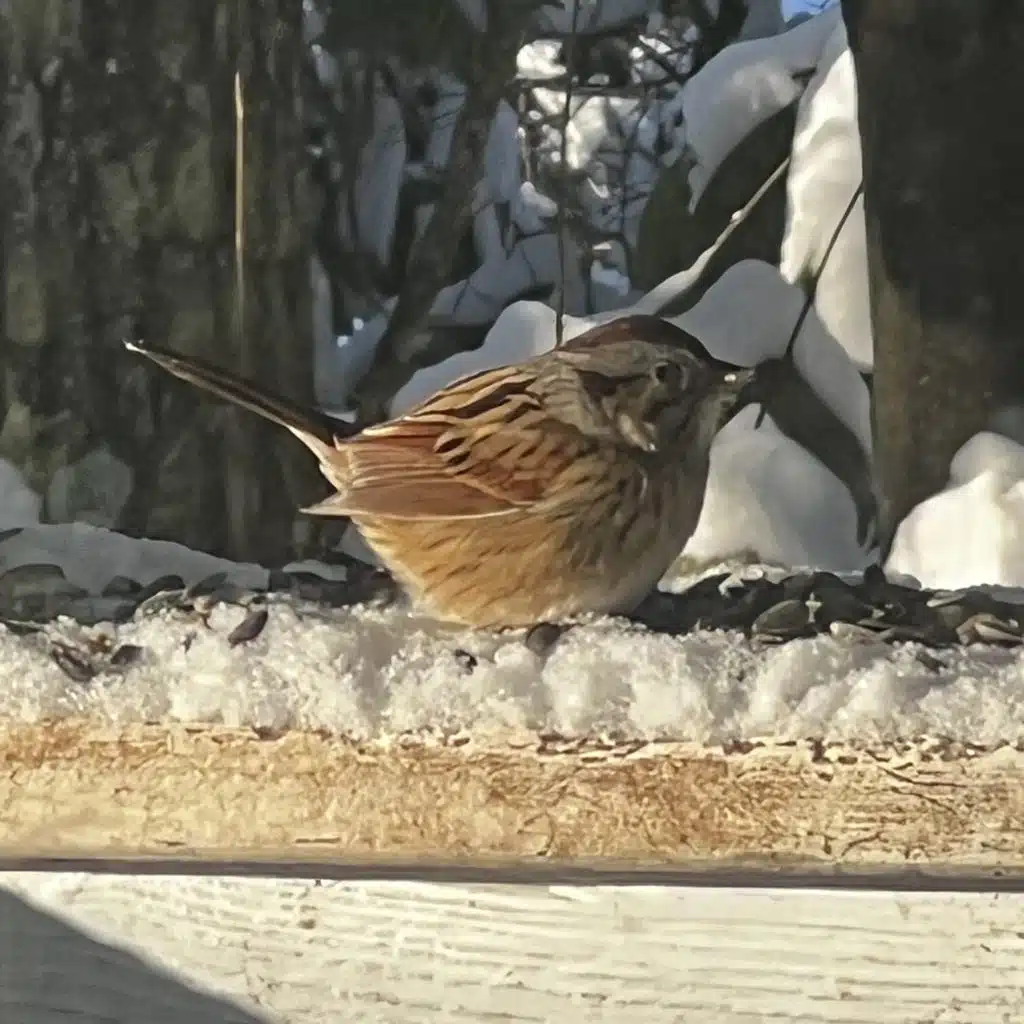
(812, 291)
(658, 298)
(239, 211)
(671, 72)
(563, 162)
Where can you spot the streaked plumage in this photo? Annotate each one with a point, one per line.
(532, 492)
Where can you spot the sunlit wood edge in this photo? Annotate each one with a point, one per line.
(513, 808)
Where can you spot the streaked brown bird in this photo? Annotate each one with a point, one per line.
(529, 493)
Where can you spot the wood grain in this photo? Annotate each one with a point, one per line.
(75, 789)
(126, 950)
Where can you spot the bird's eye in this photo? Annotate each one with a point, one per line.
(668, 374)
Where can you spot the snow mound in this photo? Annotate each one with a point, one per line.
(972, 532)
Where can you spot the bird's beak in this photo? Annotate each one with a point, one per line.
(738, 378)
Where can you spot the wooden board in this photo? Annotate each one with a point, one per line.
(76, 789)
(194, 950)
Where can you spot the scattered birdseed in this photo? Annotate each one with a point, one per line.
(249, 628)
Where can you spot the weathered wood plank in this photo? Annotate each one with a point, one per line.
(300, 952)
(77, 789)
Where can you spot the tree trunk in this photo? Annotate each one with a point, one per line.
(940, 94)
(117, 217)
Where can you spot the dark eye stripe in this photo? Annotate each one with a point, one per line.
(600, 385)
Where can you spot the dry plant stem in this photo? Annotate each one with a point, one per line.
(563, 173)
(237, 484)
(239, 207)
(812, 291)
(658, 300)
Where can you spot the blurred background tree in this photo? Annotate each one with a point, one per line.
(119, 208)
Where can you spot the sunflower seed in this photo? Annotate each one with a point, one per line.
(786, 620)
(73, 665)
(207, 585)
(249, 628)
(126, 654)
(161, 585)
(466, 661)
(122, 586)
(540, 639)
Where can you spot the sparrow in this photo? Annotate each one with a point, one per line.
(531, 493)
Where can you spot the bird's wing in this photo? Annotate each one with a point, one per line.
(482, 447)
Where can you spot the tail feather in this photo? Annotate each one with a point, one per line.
(315, 429)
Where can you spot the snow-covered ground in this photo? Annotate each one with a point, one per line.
(371, 672)
(368, 671)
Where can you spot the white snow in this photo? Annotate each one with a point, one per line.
(522, 331)
(539, 60)
(824, 172)
(739, 88)
(501, 156)
(369, 673)
(19, 504)
(91, 556)
(770, 497)
(379, 179)
(972, 532)
(92, 490)
(749, 314)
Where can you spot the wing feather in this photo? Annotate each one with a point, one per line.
(482, 447)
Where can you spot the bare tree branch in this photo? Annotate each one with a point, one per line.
(660, 299)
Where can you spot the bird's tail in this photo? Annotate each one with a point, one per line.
(315, 429)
